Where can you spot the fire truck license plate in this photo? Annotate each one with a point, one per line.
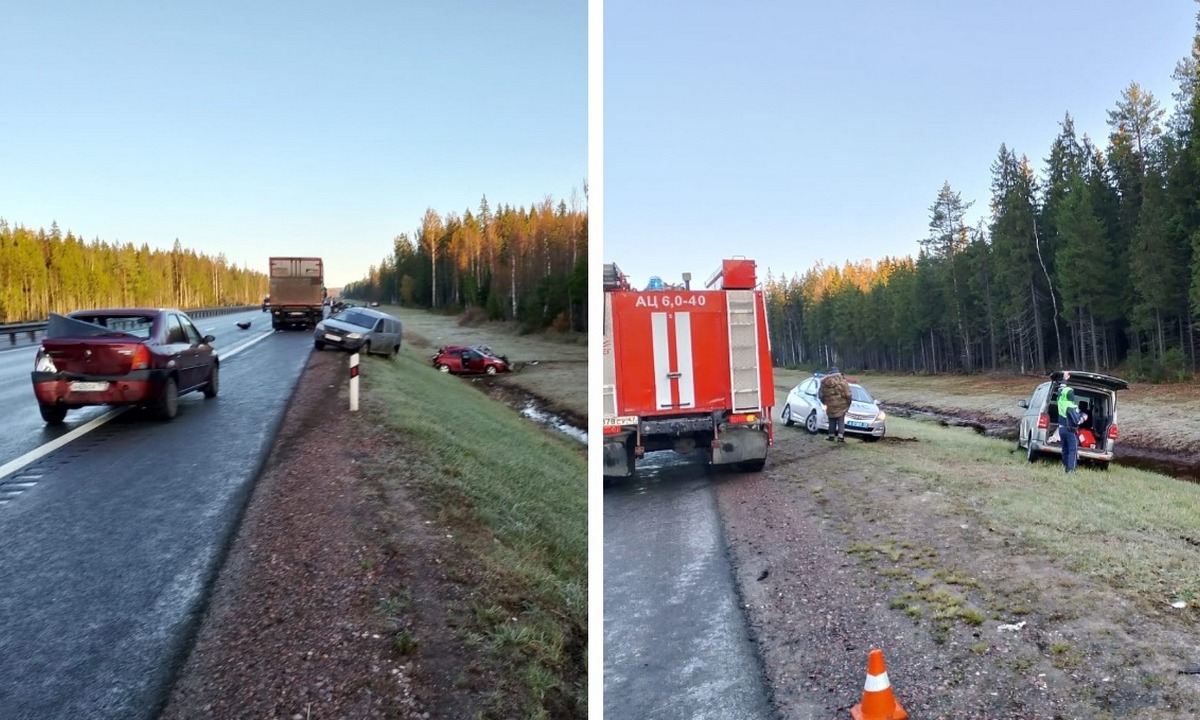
(621, 420)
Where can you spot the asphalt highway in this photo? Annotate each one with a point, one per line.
(109, 543)
(676, 643)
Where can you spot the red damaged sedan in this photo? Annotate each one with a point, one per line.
(460, 359)
(128, 356)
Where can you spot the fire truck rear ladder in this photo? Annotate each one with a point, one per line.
(743, 350)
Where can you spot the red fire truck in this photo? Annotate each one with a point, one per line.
(687, 369)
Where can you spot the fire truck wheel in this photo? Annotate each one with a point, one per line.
(810, 423)
(787, 416)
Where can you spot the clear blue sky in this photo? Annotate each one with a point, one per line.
(798, 132)
(286, 128)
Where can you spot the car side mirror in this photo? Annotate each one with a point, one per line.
(1023, 403)
(210, 339)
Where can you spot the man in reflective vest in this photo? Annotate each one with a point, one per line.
(1069, 419)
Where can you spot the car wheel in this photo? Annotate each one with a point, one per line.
(53, 414)
(366, 348)
(787, 416)
(490, 370)
(1030, 454)
(168, 400)
(394, 353)
(444, 368)
(214, 382)
(318, 344)
(810, 423)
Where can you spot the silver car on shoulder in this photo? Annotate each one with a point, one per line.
(360, 329)
(865, 418)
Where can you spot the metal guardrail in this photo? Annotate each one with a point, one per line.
(16, 330)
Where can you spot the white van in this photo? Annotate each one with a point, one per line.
(1097, 396)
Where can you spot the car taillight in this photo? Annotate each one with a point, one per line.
(44, 362)
(1112, 431)
(1043, 421)
(141, 358)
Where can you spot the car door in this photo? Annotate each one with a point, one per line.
(201, 352)
(380, 344)
(1033, 413)
(175, 347)
(472, 361)
(812, 400)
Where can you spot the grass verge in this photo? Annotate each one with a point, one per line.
(1129, 529)
(516, 495)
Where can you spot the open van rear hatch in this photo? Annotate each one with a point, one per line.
(1083, 378)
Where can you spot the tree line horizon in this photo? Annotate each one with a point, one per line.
(44, 271)
(1093, 264)
(528, 265)
(508, 263)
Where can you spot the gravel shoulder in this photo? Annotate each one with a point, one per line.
(333, 576)
(836, 554)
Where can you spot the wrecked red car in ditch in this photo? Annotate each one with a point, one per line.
(470, 360)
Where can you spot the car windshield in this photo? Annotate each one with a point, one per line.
(861, 395)
(95, 325)
(353, 317)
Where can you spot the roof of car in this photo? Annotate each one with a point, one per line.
(368, 311)
(125, 311)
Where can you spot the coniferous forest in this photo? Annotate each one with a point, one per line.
(1091, 263)
(46, 271)
(528, 265)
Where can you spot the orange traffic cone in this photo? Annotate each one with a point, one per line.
(878, 703)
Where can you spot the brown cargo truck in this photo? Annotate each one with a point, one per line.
(297, 292)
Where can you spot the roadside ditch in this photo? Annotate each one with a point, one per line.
(535, 408)
(1172, 464)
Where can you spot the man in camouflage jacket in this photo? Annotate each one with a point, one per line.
(835, 395)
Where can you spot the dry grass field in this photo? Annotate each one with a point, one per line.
(552, 366)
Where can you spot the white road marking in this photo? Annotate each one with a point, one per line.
(39, 452)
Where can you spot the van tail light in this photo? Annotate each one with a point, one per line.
(1112, 431)
(1043, 421)
(141, 358)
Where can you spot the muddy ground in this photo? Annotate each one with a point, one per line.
(827, 549)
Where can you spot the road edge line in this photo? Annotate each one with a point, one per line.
(43, 450)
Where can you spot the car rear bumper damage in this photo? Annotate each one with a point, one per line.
(75, 390)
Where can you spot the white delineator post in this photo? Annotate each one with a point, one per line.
(354, 382)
